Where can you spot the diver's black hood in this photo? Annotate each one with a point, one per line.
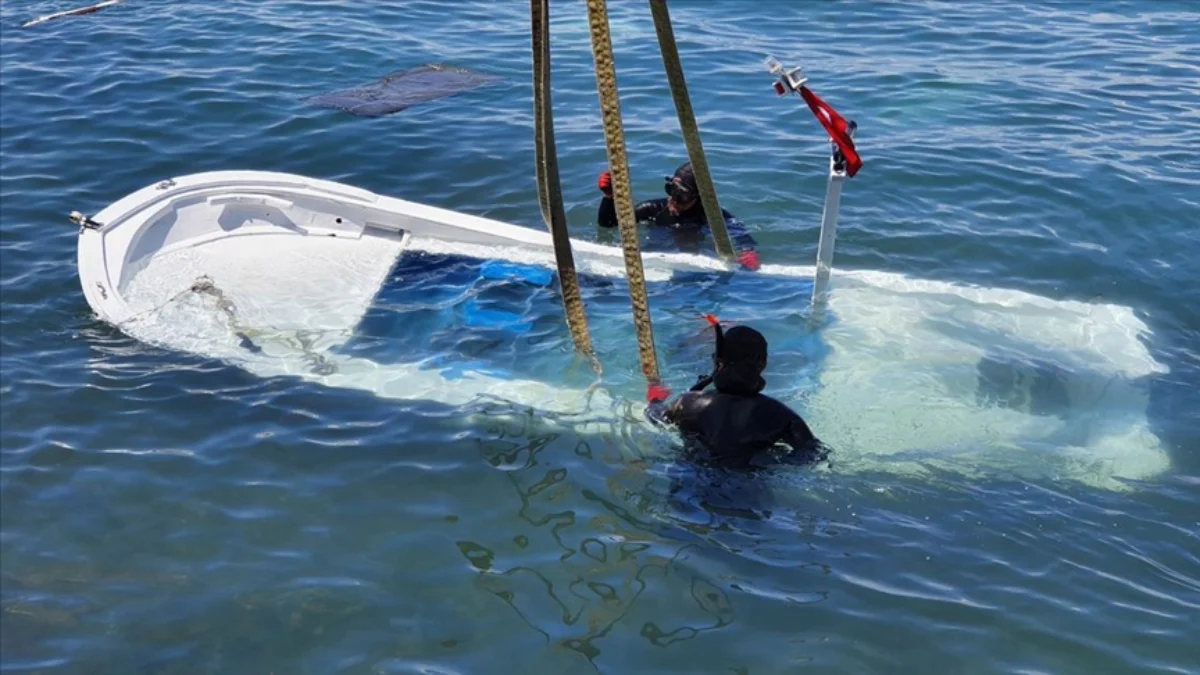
(686, 176)
(739, 379)
(739, 357)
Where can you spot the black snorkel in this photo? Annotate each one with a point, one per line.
(718, 350)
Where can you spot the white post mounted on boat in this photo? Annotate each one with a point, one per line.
(829, 222)
(790, 81)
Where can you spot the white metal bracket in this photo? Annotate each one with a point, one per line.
(787, 81)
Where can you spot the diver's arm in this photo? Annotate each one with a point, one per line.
(660, 414)
(607, 217)
(743, 243)
(804, 444)
(663, 414)
(608, 212)
(658, 410)
(739, 233)
(646, 212)
(796, 433)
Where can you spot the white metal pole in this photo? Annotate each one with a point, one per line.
(790, 81)
(829, 219)
(829, 222)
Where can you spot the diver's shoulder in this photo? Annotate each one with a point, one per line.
(769, 401)
(696, 398)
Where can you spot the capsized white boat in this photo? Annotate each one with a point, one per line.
(259, 212)
(274, 271)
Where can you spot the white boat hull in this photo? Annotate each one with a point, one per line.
(192, 210)
(907, 358)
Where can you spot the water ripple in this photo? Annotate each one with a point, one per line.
(164, 512)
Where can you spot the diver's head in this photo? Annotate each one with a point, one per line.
(741, 362)
(681, 189)
(744, 346)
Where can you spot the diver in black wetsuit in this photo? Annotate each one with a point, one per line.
(737, 424)
(682, 213)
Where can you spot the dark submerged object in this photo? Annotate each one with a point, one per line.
(403, 89)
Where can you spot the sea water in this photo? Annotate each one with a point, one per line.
(1008, 370)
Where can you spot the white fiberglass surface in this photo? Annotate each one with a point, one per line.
(922, 375)
(280, 305)
(282, 282)
(901, 375)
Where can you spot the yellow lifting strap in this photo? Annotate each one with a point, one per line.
(549, 182)
(614, 137)
(691, 132)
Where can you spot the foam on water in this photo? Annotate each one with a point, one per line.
(915, 374)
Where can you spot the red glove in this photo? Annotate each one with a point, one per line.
(749, 260)
(605, 183)
(657, 393)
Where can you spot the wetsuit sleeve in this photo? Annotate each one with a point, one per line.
(664, 414)
(742, 241)
(608, 212)
(648, 210)
(797, 434)
(642, 213)
(804, 444)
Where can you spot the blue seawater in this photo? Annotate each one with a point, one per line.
(163, 512)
